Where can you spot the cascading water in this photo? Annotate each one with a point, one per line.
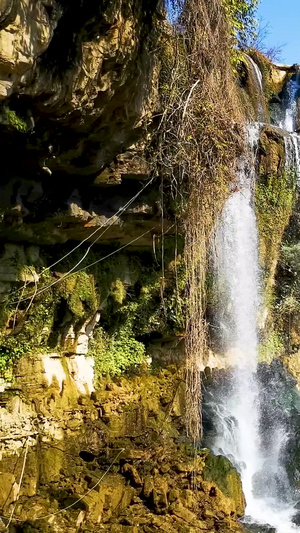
(236, 247)
(238, 420)
(292, 151)
(243, 426)
(289, 120)
(259, 88)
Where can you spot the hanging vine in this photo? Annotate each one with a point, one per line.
(200, 136)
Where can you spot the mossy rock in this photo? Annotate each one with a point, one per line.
(271, 151)
(219, 470)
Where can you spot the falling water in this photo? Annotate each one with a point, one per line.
(259, 86)
(292, 151)
(264, 480)
(257, 72)
(236, 245)
(289, 120)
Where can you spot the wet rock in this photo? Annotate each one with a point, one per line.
(132, 474)
(159, 495)
(8, 488)
(259, 528)
(271, 151)
(219, 470)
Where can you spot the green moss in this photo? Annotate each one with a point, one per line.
(117, 353)
(28, 328)
(10, 118)
(79, 292)
(160, 304)
(118, 291)
(274, 199)
(29, 325)
(271, 348)
(219, 470)
(135, 301)
(288, 294)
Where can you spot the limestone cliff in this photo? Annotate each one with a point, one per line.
(92, 271)
(92, 326)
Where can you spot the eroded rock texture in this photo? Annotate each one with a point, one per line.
(77, 86)
(126, 434)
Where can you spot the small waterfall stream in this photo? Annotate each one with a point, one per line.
(237, 266)
(238, 417)
(289, 120)
(289, 123)
(264, 479)
(259, 88)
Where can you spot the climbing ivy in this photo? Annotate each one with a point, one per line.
(242, 18)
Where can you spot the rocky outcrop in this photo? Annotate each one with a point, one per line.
(114, 458)
(79, 104)
(78, 88)
(271, 151)
(81, 78)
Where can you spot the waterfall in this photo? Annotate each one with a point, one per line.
(237, 263)
(289, 120)
(239, 415)
(257, 72)
(292, 153)
(259, 87)
(288, 123)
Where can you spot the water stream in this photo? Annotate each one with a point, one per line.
(289, 123)
(259, 88)
(239, 417)
(265, 482)
(289, 120)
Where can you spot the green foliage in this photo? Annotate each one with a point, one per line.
(155, 306)
(289, 298)
(271, 348)
(79, 292)
(30, 326)
(274, 199)
(135, 299)
(290, 257)
(242, 18)
(118, 291)
(116, 354)
(28, 331)
(10, 117)
(160, 304)
(241, 15)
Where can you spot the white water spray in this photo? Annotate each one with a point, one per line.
(259, 86)
(292, 153)
(258, 74)
(289, 120)
(236, 261)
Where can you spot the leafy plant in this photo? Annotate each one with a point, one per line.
(242, 18)
(10, 117)
(116, 354)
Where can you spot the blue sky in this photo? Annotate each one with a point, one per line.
(283, 17)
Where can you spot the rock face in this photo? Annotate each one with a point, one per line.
(114, 455)
(271, 151)
(78, 68)
(78, 106)
(78, 90)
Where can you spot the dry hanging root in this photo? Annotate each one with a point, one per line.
(202, 138)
